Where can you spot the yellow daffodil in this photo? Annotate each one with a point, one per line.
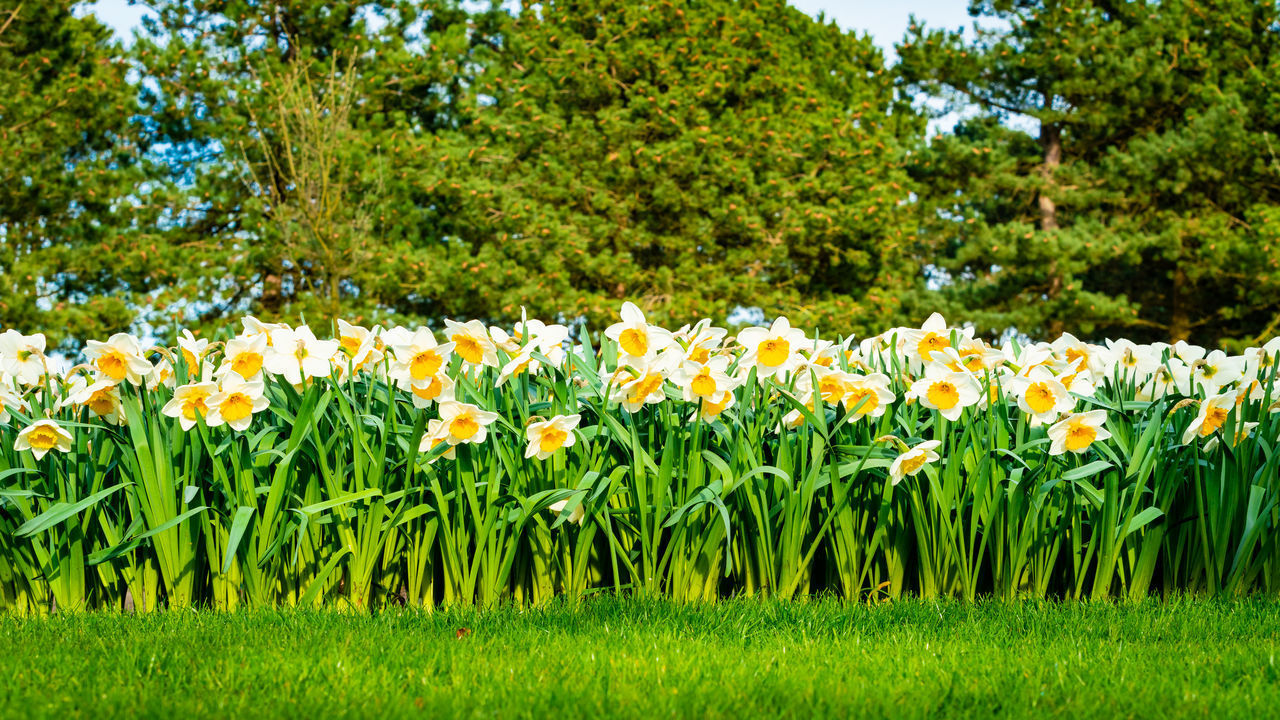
(42, 436)
(548, 436)
(1076, 432)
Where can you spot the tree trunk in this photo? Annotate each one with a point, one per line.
(1051, 152)
(1179, 320)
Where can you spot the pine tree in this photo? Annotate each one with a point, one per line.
(693, 156)
(305, 142)
(72, 264)
(1142, 200)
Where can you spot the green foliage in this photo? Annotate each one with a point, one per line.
(1143, 201)
(699, 155)
(72, 261)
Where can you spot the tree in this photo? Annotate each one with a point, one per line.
(693, 156)
(1143, 200)
(71, 261)
(305, 142)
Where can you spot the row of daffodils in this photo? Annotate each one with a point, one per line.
(477, 465)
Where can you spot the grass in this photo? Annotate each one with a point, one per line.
(631, 658)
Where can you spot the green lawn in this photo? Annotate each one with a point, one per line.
(630, 658)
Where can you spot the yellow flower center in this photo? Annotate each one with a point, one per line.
(930, 343)
(463, 427)
(710, 409)
(1040, 398)
(912, 463)
(1075, 354)
(350, 345)
(703, 384)
(1214, 418)
(856, 396)
(247, 365)
(700, 355)
(190, 359)
(425, 364)
(774, 352)
(943, 395)
(101, 402)
(431, 391)
(113, 364)
(634, 341)
(42, 438)
(1079, 436)
(469, 348)
(644, 388)
(236, 406)
(831, 389)
(194, 404)
(552, 440)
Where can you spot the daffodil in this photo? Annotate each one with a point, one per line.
(471, 342)
(702, 340)
(921, 343)
(9, 400)
(641, 383)
(419, 358)
(867, 395)
(913, 461)
(465, 423)
(635, 337)
(193, 350)
(1077, 431)
(118, 359)
(190, 403)
(1041, 396)
(576, 515)
(772, 350)
(1213, 414)
(704, 381)
(296, 355)
(235, 402)
(946, 391)
(437, 388)
(1216, 371)
(709, 411)
(436, 434)
(548, 436)
(101, 397)
(22, 356)
(244, 355)
(42, 436)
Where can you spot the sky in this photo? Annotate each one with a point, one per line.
(886, 22)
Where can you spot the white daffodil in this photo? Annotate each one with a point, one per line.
(867, 395)
(946, 391)
(576, 515)
(548, 436)
(641, 383)
(235, 402)
(244, 355)
(1042, 396)
(42, 436)
(471, 342)
(1076, 432)
(193, 350)
(296, 355)
(465, 423)
(437, 433)
(189, 403)
(22, 356)
(704, 382)
(9, 400)
(709, 411)
(635, 337)
(1216, 371)
(419, 358)
(118, 359)
(101, 397)
(1213, 414)
(913, 460)
(437, 388)
(772, 350)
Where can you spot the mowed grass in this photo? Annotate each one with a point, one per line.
(632, 658)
